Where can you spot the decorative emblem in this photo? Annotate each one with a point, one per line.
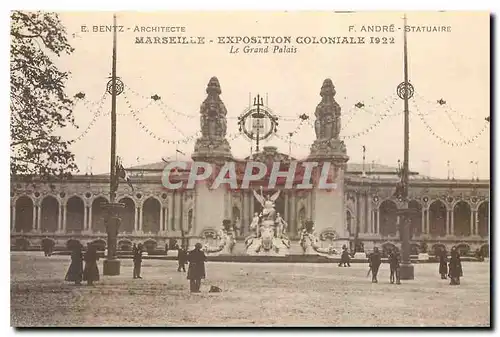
(88, 195)
(119, 86)
(164, 196)
(258, 122)
(405, 90)
(450, 199)
(474, 199)
(375, 198)
(329, 235)
(62, 194)
(426, 199)
(138, 195)
(37, 194)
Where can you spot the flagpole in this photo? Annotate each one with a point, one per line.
(111, 266)
(112, 180)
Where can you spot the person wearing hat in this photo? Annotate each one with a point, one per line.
(455, 267)
(137, 258)
(196, 269)
(345, 258)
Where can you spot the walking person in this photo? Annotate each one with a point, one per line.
(443, 264)
(345, 258)
(375, 260)
(137, 261)
(395, 267)
(75, 270)
(455, 267)
(91, 271)
(182, 258)
(196, 270)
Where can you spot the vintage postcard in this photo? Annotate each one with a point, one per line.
(250, 169)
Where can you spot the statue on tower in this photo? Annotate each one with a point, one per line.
(327, 124)
(212, 144)
(213, 112)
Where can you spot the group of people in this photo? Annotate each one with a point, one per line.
(90, 273)
(453, 268)
(77, 272)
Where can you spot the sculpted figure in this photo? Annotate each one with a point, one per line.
(327, 124)
(267, 203)
(254, 226)
(281, 226)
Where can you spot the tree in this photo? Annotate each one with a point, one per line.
(38, 102)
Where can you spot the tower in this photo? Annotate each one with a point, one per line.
(328, 211)
(212, 145)
(211, 206)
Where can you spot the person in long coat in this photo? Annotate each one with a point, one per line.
(182, 257)
(137, 251)
(345, 258)
(196, 269)
(91, 272)
(75, 270)
(443, 264)
(375, 260)
(394, 266)
(455, 267)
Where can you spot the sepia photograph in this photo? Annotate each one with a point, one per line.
(250, 169)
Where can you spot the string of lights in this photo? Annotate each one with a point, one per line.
(374, 125)
(143, 126)
(95, 116)
(360, 107)
(158, 99)
(440, 106)
(465, 142)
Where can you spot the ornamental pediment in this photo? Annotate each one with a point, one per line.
(270, 154)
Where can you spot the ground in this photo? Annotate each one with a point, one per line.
(263, 294)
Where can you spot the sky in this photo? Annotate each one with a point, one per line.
(453, 66)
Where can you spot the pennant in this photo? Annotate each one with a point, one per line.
(121, 173)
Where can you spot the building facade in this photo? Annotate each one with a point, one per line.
(360, 212)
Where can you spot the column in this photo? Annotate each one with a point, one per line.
(293, 214)
(90, 218)
(13, 218)
(136, 219)
(472, 217)
(476, 221)
(64, 219)
(39, 218)
(140, 218)
(423, 220)
(368, 217)
(378, 221)
(35, 211)
(252, 206)
(162, 225)
(447, 222)
(245, 216)
(428, 223)
(59, 218)
(285, 211)
(452, 223)
(177, 212)
(85, 218)
(372, 217)
(170, 213)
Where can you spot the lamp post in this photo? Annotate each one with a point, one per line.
(111, 265)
